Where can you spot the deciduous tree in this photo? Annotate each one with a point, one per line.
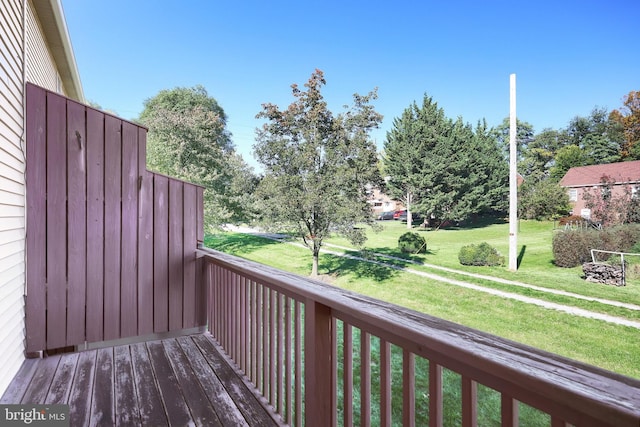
(318, 166)
(628, 117)
(188, 139)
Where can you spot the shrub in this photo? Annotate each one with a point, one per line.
(572, 248)
(572, 220)
(482, 254)
(412, 243)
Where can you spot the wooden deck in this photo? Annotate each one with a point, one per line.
(178, 381)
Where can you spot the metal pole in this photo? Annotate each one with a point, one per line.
(513, 180)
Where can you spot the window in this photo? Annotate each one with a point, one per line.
(573, 195)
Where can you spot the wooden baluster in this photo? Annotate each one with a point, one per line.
(317, 365)
(365, 379)
(298, 362)
(435, 394)
(287, 361)
(469, 402)
(408, 389)
(509, 409)
(348, 375)
(385, 383)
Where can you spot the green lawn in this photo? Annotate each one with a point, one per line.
(534, 249)
(612, 347)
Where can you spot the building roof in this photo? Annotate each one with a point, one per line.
(583, 176)
(51, 17)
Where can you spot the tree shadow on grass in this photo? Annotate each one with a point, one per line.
(368, 265)
(396, 253)
(237, 243)
(340, 266)
(469, 224)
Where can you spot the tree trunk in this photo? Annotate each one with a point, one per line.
(409, 202)
(314, 265)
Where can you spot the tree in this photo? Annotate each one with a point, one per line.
(406, 149)
(566, 158)
(318, 166)
(188, 139)
(542, 199)
(597, 136)
(628, 117)
(450, 170)
(608, 207)
(465, 174)
(524, 136)
(537, 159)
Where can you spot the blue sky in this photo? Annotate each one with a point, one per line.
(569, 56)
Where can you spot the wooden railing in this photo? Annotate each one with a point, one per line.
(323, 356)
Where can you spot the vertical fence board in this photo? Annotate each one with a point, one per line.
(176, 288)
(160, 253)
(129, 243)
(95, 225)
(56, 215)
(200, 211)
(36, 178)
(77, 222)
(189, 319)
(145, 240)
(112, 226)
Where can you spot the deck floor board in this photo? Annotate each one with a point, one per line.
(176, 381)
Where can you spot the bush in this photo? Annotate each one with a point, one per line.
(412, 243)
(482, 254)
(572, 248)
(573, 219)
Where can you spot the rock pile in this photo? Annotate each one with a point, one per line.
(603, 273)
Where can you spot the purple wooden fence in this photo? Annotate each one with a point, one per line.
(110, 245)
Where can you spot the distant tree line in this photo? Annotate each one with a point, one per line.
(438, 167)
(445, 169)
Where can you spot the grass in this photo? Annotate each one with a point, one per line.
(595, 342)
(534, 252)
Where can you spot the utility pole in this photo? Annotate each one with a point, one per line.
(513, 178)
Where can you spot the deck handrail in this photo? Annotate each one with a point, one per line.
(569, 391)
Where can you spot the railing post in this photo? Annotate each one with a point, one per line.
(319, 383)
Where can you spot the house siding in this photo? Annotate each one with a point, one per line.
(23, 53)
(12, 187)
(41, 68)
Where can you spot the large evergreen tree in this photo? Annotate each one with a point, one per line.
(318, 166)
(450, 170)
(407, 149)
(600, 139)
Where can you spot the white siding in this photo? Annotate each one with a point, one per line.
(41, 68)
(24, 55)
(12, 227)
